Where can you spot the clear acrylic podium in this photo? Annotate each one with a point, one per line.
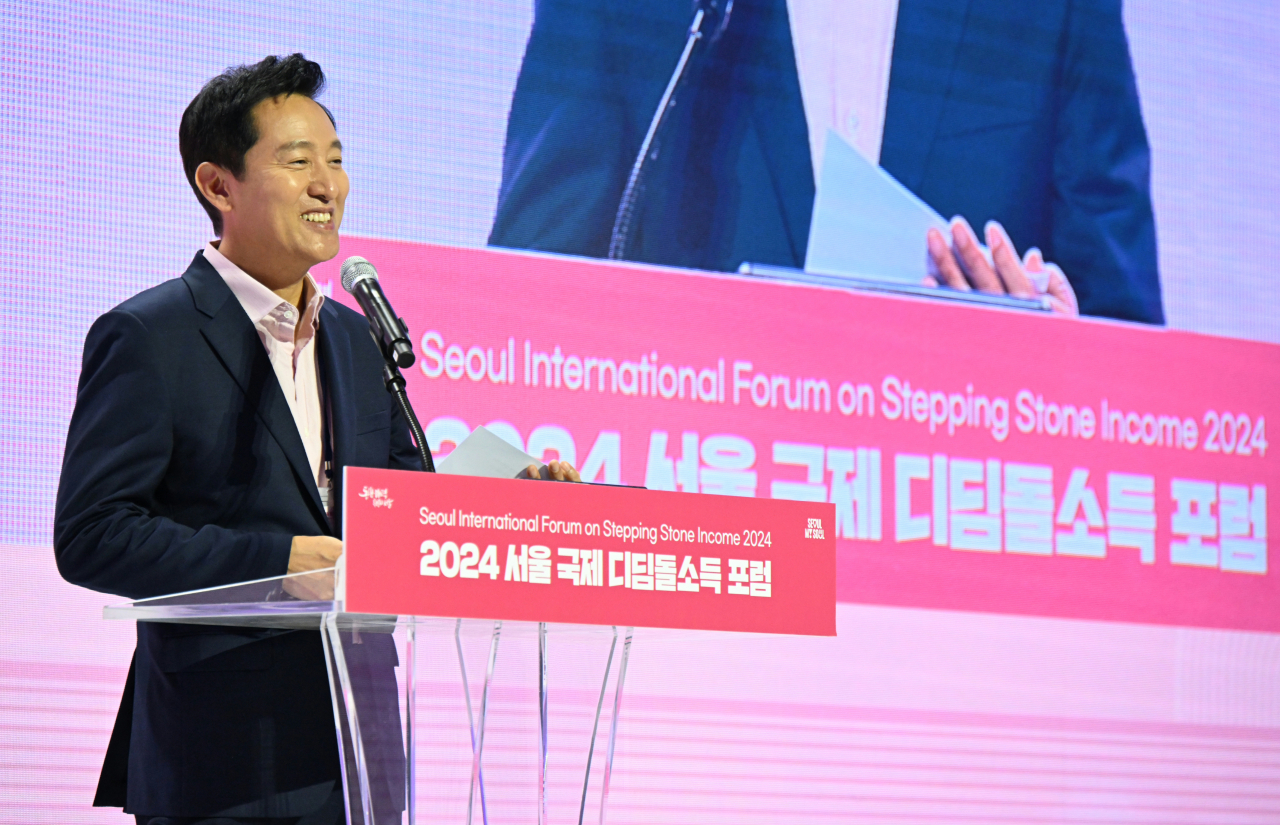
(392, 723)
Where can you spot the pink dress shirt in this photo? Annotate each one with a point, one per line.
(844, 51)
(290, 344)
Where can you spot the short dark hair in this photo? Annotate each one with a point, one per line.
(218, 125)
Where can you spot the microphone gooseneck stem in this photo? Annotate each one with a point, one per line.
(396, 386)
(626, 206)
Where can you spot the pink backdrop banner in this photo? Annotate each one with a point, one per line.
(978, 459)
(437, 545)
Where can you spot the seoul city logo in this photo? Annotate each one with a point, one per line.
(378, 498)
(814, 530)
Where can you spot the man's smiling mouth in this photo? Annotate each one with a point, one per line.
(317, 217)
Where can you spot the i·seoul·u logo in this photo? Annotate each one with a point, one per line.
(377, 497)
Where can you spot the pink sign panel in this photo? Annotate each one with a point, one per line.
(436, 545)
(977, 459)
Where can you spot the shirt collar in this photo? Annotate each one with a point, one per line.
(258, 301)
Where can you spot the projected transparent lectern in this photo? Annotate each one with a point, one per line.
(377, 715)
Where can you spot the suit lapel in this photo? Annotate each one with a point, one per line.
(339, 392)
(926, 42)
(235, 341)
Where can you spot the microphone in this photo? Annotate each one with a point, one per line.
(361, 280)
(715, 16)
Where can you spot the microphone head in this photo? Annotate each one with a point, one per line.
(716, 18)
(356, 269)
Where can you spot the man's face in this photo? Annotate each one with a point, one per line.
(288, 204)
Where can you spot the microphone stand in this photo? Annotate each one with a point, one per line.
(626, 206)
(396, 386)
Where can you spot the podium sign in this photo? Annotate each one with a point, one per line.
(433, 545)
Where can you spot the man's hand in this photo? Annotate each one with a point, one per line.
(313, 553)
(558, 470)
(962, 265)
(306, 555)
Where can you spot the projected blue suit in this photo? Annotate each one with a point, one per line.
(1025, 113)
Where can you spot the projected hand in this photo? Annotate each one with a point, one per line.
(558, 470)
(962, 265)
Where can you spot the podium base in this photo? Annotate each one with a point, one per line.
(391, 722)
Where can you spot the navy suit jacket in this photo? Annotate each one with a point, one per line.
(184, 469)
(1025, 113)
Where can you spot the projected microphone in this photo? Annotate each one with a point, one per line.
(716, 16)
(710, 19)
(361, 280)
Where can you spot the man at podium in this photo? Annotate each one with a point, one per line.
(213, 417)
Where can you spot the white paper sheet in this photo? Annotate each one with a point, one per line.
(484, 454)
(865, 223)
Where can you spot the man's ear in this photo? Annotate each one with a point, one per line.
(212, 181)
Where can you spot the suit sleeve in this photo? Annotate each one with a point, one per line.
(1104, 234)
(108, 535)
